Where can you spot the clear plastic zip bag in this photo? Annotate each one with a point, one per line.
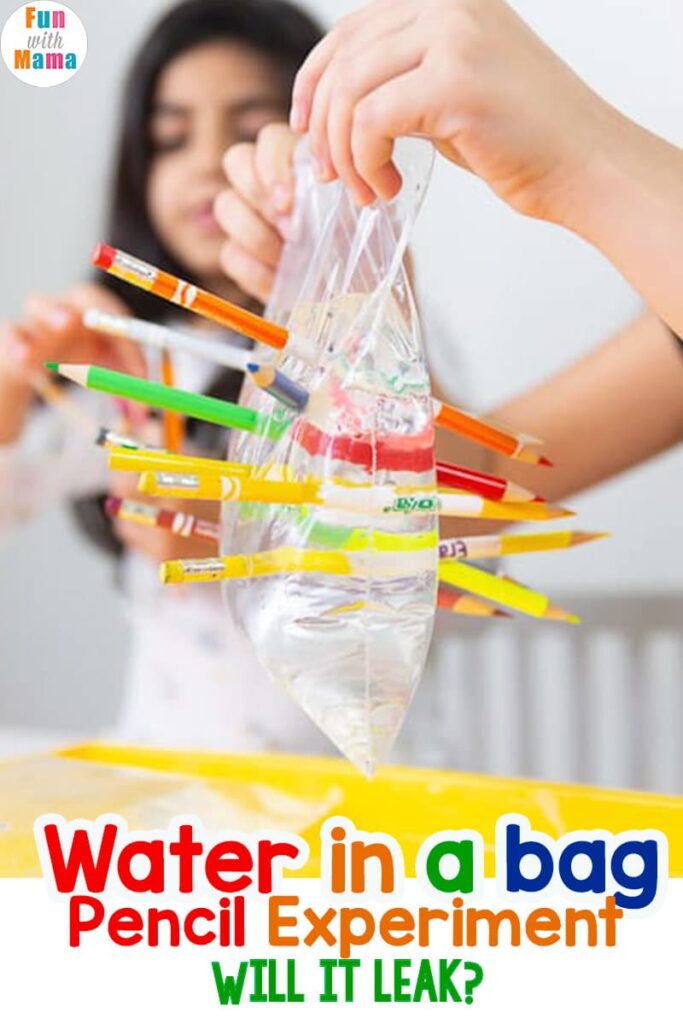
(349, 643)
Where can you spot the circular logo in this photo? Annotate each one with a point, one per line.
(44, 43)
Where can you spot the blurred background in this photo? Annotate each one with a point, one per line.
(517, 300)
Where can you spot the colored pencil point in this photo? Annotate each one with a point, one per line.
(279, 386)
(557, 614)
(584, 537)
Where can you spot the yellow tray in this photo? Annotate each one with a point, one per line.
(148, 786)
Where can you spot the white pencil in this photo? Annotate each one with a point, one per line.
(145, 333)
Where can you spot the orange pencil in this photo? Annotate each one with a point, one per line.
(189, 296)
(515, 446)
(460, 603)
(173, 421)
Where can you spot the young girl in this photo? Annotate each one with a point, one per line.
(210, 74)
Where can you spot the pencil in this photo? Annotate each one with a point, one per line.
(122, 459)
(483, 432)
(460, 603)
(189, 296)
(111, 439)
(201, 407)
(553, 611)
(500, 590)
(181, 523)
(499, 545)
(279, 386)
(173, 423)
(291, 559)
(368, 499)
(159, 336)
(486, 484)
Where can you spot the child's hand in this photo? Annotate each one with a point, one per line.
(52, 330)
(254, 211)
(468, 74)
(157, 544)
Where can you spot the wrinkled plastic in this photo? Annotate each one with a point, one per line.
(349, 649)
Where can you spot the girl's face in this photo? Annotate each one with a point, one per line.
(206, 99)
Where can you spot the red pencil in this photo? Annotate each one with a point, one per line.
(496, 488)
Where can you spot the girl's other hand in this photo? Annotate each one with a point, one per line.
(52, 330)
(468, 74)
(254, 211)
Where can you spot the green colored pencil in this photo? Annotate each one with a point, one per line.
(160, 396)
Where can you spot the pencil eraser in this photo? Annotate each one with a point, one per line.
(112, 506)
(103, 255)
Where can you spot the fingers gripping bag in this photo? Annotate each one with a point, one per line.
(343, 616)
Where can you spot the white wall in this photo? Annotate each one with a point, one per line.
(521, 300)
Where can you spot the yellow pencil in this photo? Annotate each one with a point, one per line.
(125, 460)
(499, 545)
(369, 499)
(501, 590)
(291, 559)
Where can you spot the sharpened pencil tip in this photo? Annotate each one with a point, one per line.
(558, 512)
(543, 461)
(558, 614)
(586, 537)
(52, 367)
(253, 367)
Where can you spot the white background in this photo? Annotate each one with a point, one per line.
(520, 300)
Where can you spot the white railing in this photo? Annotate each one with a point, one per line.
(600, 703)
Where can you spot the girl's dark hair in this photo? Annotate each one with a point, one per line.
(273, 27)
